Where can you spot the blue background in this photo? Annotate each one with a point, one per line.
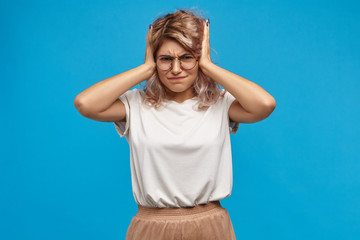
(296, 173)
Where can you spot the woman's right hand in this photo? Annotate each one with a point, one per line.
(149, 57)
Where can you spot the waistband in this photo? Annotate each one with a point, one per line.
(145, 211)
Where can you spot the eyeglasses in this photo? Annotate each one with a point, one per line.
(187, 62)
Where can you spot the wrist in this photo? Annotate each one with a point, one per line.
(206, 66)
(149, 69)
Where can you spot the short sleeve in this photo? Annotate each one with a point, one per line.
(128, 99)
(229, 99)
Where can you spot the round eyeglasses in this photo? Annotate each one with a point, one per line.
(187, 62)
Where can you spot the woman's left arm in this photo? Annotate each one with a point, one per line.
(252, 104)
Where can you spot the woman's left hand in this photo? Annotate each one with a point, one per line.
(205, 58)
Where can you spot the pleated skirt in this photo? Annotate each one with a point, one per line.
(203, 222)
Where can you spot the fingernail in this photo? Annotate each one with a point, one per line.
(149, 26)
(208, 22)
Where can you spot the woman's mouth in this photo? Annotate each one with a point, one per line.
(176, 79)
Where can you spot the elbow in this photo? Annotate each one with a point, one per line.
(78, 103)
(269, 106)
(264, 108)
(81, 107)
(272, 104)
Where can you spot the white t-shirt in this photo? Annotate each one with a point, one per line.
(179, 157)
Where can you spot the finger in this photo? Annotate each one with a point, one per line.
(149, 32)
(205, 32)
(208, 29)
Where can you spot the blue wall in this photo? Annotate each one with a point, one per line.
(296, 173)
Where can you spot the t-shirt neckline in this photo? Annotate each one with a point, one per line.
(175, 102)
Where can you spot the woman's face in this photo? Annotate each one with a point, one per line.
(180, 86)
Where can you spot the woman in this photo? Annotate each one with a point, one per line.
(178, 129)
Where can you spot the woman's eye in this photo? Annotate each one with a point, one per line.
(165, 59)
(188, 57)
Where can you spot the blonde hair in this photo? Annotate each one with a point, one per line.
(185, 27)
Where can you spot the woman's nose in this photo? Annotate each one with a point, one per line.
(176, 67)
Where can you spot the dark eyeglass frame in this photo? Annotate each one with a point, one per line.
(179, 58)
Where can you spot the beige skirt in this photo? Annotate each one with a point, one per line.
(205, 221)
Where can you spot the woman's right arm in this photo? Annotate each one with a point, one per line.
(101, 101)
